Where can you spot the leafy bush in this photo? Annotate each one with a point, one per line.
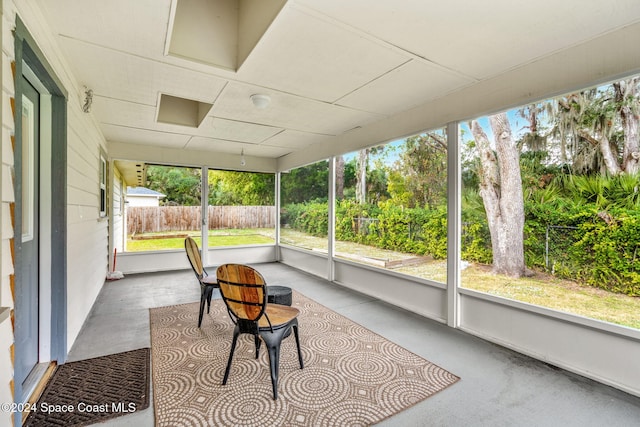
(593, 246)
(609, 252)
(312, 217)
(600, 248)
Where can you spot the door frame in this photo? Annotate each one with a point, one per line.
(54, 232)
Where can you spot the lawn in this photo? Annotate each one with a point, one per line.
(540, 289)
(216, 238)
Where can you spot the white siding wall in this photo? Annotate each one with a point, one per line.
(143, 201)
(6, 228)
(6, 367)
(87, 244)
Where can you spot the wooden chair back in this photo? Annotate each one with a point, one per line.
(193, 253)
(243, 290)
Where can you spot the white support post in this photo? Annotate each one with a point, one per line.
(204, 204)
(331, 232)
(454, 227)
(278, 207)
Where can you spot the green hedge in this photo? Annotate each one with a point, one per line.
(601, 249)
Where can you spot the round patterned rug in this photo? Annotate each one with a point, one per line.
(351, 375)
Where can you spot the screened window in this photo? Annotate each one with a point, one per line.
(304, 215)
(165, 211)
(241, 208)
(550, 207)
(391, 206)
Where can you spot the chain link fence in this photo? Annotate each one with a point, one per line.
(558, 241)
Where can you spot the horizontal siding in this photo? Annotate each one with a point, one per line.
(6, 370)
(6, 228)
(87, 235)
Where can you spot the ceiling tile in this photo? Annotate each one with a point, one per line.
(138, 26)
(115, 133)
(288, 111)
(231, 147)
(330, 66)
(239, 131)
(307, 56)
(120, 75)
(405, 87)
(295, 139)
(478, 38)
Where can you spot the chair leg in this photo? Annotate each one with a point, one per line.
(274, 366)
(202, 301)
(209, 295)
(258, 342)
(272, 340)
(295, 333)
(236, 333)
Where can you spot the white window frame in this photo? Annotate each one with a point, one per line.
(102, 190)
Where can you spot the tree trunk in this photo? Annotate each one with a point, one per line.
(501, 192)
(340, 177)
(610, 159)
(626, 91)
(361, 176)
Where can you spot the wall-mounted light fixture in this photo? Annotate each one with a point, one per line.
(88, 100)
(242, 160)
(260, 101)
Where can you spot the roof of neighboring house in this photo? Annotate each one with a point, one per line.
(143, 192)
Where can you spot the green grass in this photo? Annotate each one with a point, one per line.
(217, 238)
(563, 295)
(541, 289)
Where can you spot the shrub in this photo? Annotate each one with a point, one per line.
(592, 246)
(311, 217)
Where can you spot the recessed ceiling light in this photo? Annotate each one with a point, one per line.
(260, 101)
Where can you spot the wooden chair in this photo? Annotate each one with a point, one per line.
(207, 283)
(244, 292)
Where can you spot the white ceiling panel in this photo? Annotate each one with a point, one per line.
(332, 66)
(137, 27)
(117, 133)
(214, 144)
(120, 75)
(405, 87)
(295, 140)
(481, 39)
(288, 111)
(238, 131)
(316, 59)
(232, 147)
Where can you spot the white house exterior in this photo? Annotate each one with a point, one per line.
(83, 248)
(141, 196)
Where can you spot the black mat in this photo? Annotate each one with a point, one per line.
(93, 390)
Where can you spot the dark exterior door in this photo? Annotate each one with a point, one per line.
(28, 305)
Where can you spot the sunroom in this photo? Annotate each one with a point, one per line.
(98, 96)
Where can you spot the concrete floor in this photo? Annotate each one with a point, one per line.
(498, 387)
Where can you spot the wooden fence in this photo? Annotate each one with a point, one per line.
(152, 219)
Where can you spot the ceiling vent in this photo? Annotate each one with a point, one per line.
(181, 111)
(221, 33)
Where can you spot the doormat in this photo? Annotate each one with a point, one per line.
(93, 390)
(351, 377)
